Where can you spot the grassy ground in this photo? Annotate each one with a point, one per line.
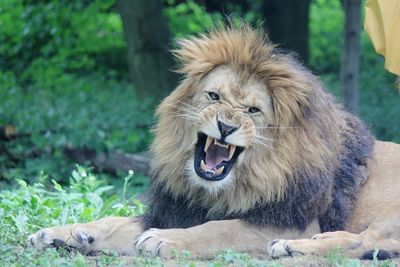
(27, 208)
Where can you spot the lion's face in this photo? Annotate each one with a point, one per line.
(242, 125)
(231, 117)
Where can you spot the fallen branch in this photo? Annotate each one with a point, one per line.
(109, 162)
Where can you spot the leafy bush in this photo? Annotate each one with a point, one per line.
(91, 111)
(31, 207)
(87, 198)
(45, 41)
(188, 18)
(63, 82)
(326, 27)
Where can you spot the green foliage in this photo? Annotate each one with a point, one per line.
(45, 41)
(31, 207)
(92, 112)
(188, 18)
(87, 198)
(336, 258)
(62, 81)
(231, 258)
(326, 27)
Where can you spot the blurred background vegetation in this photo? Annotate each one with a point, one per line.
(69, 74)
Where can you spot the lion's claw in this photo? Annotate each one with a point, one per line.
(281, 248)
(159, 243)
(62, 237)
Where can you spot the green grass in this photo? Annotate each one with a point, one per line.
(336, 258)
(29, 207)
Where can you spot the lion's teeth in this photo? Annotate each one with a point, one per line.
(203, 165)
(208, 143)
(219, 170)
(232, 151)
(221, 145)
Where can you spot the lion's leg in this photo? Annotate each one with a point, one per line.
(382, 234)
(319, 247)
(205, 240)
(111, 233)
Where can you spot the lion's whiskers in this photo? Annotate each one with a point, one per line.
(265, 138)
(278, 143)
(277, 127)
(187, 105)
(184, 107)
(185, 116)
(267, 146)
(271, 144)
(187, 111)
(265, 142)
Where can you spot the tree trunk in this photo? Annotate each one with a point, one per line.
(351, 55)
(147, 36)
(287, 23)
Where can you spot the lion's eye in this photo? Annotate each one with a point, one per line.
(254, 110)
(213, 96)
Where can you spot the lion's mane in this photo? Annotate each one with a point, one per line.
(319, 161)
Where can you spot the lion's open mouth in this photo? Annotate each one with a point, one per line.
(213, 158)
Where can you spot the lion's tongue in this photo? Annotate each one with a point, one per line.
(215, 155)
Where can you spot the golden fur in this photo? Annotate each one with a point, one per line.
(252, 57)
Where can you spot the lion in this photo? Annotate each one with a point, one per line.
(253, 154)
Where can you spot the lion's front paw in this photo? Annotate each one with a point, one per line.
(42, 239)
(161, 243)
(282, 248)
(62, 237)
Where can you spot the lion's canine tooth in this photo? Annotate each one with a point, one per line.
(203, 165)
(219, 170)
(231, 151)
(208, 142)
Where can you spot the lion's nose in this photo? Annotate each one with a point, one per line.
(225, 129)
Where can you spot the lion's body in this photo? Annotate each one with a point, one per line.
(381, 191)
(375, 220)
(250, 148)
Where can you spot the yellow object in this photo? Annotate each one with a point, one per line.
(382, 23)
